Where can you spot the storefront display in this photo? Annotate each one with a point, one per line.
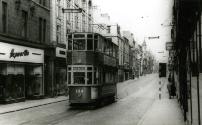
(34, 77)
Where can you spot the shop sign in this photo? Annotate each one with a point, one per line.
(169, 46)
(14, 54)
(11, 52)
(61, 52)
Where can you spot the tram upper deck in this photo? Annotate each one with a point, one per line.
(91, 49)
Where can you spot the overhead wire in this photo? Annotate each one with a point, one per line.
(86, 14)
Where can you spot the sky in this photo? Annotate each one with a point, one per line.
(143, 18)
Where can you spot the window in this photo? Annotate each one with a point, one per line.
(58, 35)
(79, 77)
(89, 44)
(79, 44)
(76, 21)
(24, 22)
(42, 29)
(83, 23)
(89, 77)
(4, 16)
(108, 29)
(69, 44)
(69, 77)
(42, 2)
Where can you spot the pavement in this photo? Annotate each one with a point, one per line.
(163, 111)
(8, 108)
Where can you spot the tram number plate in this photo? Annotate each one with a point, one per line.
(79, 92)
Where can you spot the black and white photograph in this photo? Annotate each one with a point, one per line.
(100, 62)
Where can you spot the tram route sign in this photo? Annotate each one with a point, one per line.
(162, 69)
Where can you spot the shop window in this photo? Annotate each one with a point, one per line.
(34, 81)
(2, 79)
(89, 44)
(89, 77)
(14, 81)
(79, 77)
(60, 80)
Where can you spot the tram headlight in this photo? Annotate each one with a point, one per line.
(79, 92)
(94, 92)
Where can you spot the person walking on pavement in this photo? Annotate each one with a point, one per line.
(171, 87)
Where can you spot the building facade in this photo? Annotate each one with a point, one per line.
(80, 22)
(58, 39)
(24, 39)
(187, 58)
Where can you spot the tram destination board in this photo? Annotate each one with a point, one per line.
(162, 69)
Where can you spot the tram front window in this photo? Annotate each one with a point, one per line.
(79, 77)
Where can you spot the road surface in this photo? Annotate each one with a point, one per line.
(135, 97)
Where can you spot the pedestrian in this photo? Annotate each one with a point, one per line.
(171, 87)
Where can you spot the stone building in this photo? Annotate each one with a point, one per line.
(24, 45)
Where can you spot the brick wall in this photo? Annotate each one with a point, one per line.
(15, 19)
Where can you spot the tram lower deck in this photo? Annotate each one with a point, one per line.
(91, 86)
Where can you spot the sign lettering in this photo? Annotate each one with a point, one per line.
(18, 54)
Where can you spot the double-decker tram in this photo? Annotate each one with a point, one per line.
(92, 68)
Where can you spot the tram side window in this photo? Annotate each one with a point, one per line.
(95, 45)
(89, 44)
(79, 77)
(89, 76)
(69, 44)
(69, 77)
(79, 44)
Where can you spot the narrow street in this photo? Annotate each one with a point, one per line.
(135, 97)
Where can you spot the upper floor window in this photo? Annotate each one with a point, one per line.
(42, 2)
(24, 24)
(42, 29)
(58, 34)
(4, 16)
(108, 29)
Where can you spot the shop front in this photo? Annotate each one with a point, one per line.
(21, 73)
(60, 71)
